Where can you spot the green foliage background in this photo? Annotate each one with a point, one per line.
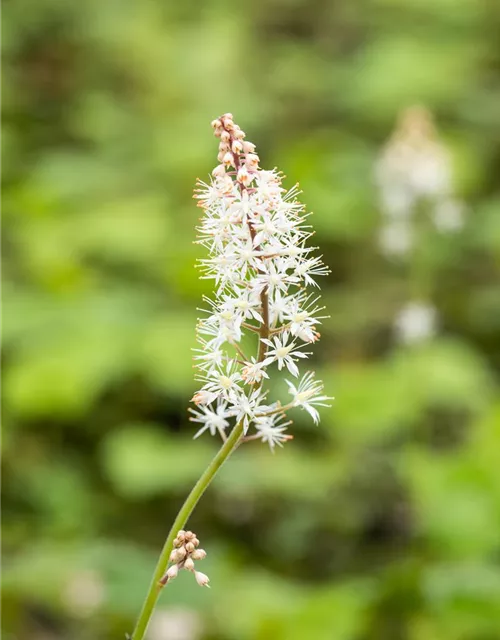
(381, 523)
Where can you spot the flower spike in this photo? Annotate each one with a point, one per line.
(255, 235)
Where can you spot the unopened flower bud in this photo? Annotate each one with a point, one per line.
(238, 133)
(237, 146)
(216, 124)
(195, 541)
(219, 171)
(188, 536)
(225, 136)
(180, 554)
(172, 572)
(248, 147)
(199, 554)
(228, 158)
(201, 397)
(252, 161)
(189, 564)
(243, 176)
(224, 147)
(190, 547)
(201, 579)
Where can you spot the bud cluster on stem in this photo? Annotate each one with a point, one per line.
(183, 555)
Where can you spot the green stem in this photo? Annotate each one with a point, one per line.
(199, 488)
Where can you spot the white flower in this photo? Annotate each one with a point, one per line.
(208, 356)
(416, 322)
(245, 407)
(308, 268)
(280, 305)
(253, 371)
(175, 623)
(414, 174)
(213, 421)
(245, 302)
(283, 353)
(413, 165)
(272, 430)
(301, 314)
(396, 238)
(222, 383)
(307, 394)
(220, 332)
(449, 216)
(276, 276)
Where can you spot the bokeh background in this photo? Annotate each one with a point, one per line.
(381, 523)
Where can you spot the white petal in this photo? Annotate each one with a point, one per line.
(292, 367)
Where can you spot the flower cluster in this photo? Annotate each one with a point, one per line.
(414, 169)
(183, 555)
(255, 233)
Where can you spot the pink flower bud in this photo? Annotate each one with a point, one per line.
(248, 147)
(237, 146)
(252, 161)
(216, 124)
(219, 171)
(228, 159)
(203, 397)
(201, 579)
(243, 176)
(199, 554)
(189, 564)
(181, 554)
(172, 572)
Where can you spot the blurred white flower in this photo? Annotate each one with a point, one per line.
(416, 322)
(175, 624)
(84, 593)
(395, 238)
(414, 169)
(449, 215)
(413, 165)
